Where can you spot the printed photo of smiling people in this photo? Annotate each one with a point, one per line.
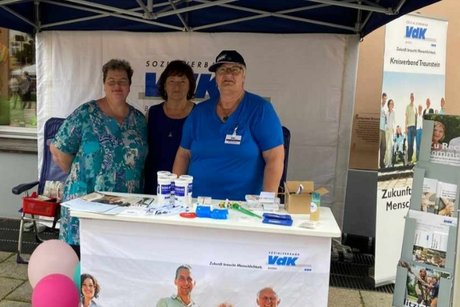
(413, 86)
(89, 291)
(445, 139)
(401, 124)
(186, 288)
(205, 269)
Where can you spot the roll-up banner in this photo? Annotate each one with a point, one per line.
(413, 85)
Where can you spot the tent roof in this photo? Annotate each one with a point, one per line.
(261, 16)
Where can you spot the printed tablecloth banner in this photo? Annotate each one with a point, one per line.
(135, 264)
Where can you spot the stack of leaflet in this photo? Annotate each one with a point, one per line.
(277, 219)
(266, 201)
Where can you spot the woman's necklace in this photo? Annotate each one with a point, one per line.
(178, 112)
(227, 112)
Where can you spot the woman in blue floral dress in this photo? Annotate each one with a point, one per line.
(102, 145)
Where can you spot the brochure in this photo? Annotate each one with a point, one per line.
(429, 195)
(123, 204)
(445, 141)
(109, 203)
(119, 199)
(431, 238)
(438, 197)
(422, 284)
(447, 193)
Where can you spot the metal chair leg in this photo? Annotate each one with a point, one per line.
(38, 239)
(19, 258)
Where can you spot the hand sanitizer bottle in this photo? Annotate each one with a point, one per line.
(314, 206)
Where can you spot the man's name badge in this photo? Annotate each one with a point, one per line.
(233, 139)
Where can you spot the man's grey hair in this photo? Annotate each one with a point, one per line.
(267, 288)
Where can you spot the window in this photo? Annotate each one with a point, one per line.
(18, 91)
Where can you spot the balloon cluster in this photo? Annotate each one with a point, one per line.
(54, 274)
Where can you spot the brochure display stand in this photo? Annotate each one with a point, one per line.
(426, 271)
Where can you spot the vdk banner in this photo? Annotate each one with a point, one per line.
(413, 85)
(304, 76)
(153, 264)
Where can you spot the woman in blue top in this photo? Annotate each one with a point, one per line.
(232, 145)
(102, 145)
(165, 120)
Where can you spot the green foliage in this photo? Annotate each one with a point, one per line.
(4, 111)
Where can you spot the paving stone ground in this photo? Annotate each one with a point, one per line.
(15, 290)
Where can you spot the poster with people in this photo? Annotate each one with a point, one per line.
(445, 141)
(422, 284)
(413, 86)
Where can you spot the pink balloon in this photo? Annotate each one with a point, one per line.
(55, 290)
(51, 256)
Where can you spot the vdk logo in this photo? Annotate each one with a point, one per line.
(204, 84)
(415, 32)
(282, 261)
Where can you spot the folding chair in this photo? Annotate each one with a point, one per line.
(32, 206)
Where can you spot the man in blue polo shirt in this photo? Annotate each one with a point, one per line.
(232, 144)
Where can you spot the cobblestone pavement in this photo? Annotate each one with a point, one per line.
(15, 290)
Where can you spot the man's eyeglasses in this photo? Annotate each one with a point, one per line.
(122, 82)
(234, 70)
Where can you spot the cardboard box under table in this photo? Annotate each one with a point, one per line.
(300, 203)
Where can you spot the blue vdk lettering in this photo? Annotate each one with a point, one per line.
(413, 32)
(284, 261)
(204, 85)
(151, 89)
(291, 261)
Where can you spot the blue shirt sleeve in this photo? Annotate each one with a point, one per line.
(186, 141)
(267, 128)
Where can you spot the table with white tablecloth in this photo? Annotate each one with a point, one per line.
(135, 257)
